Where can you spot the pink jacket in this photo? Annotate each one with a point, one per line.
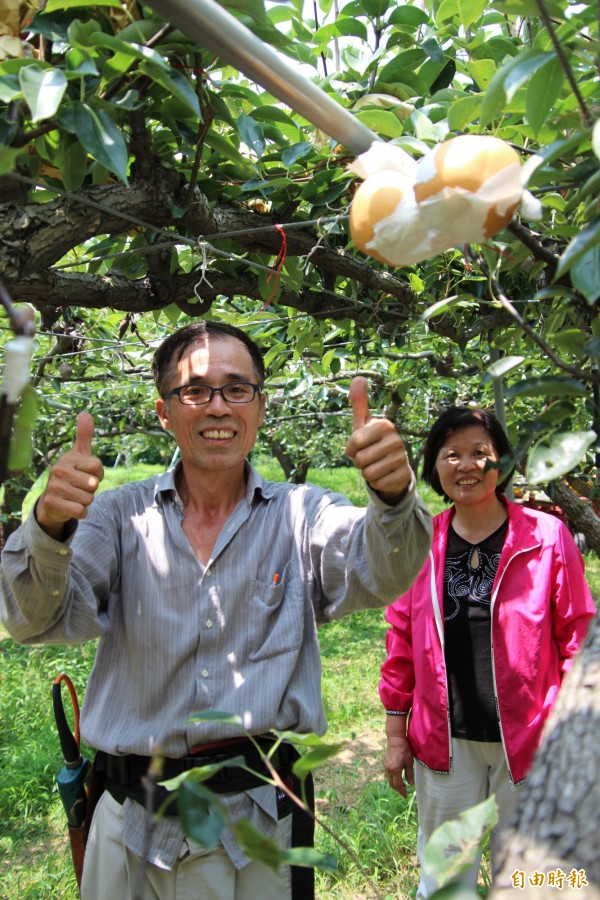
(541, 608)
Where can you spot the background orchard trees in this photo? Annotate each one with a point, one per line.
(144, 182)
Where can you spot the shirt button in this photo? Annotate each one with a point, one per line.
(63, 552)
(209, 623)
(56, 593)
(205, 673)
(208, 572)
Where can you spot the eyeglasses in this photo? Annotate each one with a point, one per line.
(197, 394)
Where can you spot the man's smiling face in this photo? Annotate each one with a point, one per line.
(215, 436)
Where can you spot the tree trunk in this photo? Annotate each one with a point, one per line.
(579, 512)
(295, 470)
(11, 506)
(556, 825)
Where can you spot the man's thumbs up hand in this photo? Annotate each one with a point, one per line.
(359, 399)
(72, 482)
(376, 448)
(84, 434)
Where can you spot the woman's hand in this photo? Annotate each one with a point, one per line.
(398, 764)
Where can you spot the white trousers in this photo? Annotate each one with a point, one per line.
(110, 871)
(478, 770)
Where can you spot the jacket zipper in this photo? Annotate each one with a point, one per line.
(440, 631)
(492, 606)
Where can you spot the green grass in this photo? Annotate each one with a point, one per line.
(376, 824)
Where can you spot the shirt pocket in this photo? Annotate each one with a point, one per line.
(276, 616)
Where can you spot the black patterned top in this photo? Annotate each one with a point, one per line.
(469, 574)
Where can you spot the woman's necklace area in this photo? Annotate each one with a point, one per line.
(476, 555)
(474, 558)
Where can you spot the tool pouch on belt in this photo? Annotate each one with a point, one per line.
(78, 834)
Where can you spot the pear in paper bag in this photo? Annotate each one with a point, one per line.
(480, 169)
(376, 198)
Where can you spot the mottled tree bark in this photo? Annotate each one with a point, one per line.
(556, 828)
(579, 512)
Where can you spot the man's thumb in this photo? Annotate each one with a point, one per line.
(359, 398)
(84, 434)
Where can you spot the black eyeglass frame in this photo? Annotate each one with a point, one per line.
(214, 390)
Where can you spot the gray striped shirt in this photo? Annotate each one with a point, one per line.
(177, 637)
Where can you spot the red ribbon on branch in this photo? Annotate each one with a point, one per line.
(277, 266)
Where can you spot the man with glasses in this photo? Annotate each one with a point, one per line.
(205, 586)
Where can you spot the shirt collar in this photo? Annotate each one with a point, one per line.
(257, 487)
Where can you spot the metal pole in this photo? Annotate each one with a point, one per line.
(500, 408)
(217, 30)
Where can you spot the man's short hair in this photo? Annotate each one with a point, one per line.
(168, 354)
(450, 421)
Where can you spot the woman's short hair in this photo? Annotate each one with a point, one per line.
(171, 351)
(452, 420)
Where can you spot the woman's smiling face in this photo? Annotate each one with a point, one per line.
(461, 462)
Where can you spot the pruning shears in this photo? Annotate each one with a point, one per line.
(72, 778)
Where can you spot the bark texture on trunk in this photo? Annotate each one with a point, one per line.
(556, 828)
(580, 513)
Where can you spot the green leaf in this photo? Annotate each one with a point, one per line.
(557, 457)
(447, 10)
(447, 303)
(223, 147)
(252, 134)
(203, 773)
(409, 15)
(54, 5)
(43, 89)
(528, 8)
(8, 159)
(463, 112)
(501, 367)
(455, 845)
(202, 815)
(482, 72)
(310, 857)
(508, 80)
(381, 122)
(213, 715)
(568, 340)
(256, 845)
(152, 64)
(402, 66)
(313, 758)
(585, 274)
(295, 153)
(584, 242)
(9, 88)
(72, 162)
(80, 62)
(129, 48)
(470, 11)
(101, 138)
(174, 83)
(543, 90)
(253, 8)
(591, 187)
(343, 26)
(547, 386)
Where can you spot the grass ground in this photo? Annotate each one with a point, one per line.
(376, 825)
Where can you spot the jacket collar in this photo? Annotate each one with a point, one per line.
(522, 531)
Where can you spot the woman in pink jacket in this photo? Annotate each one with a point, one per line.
(478, 646)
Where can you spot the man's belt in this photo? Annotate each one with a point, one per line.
(124, 773)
